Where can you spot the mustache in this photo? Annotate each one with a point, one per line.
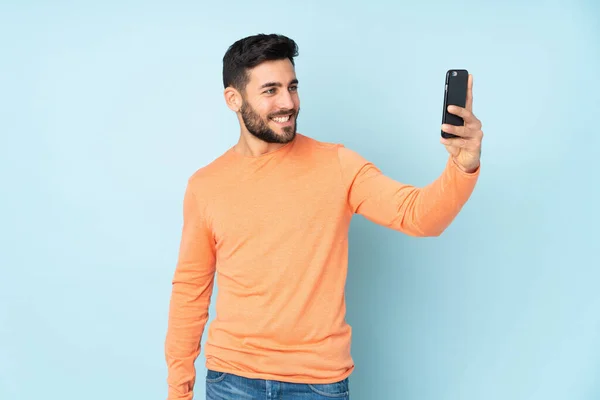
(283, 113)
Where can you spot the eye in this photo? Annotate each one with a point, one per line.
(293, 88)
(269, 91)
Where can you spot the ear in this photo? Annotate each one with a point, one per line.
(233, 99)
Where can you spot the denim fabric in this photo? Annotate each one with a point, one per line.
(226, 386)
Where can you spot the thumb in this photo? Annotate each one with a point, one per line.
(452, 150)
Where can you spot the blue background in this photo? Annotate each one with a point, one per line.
(106, 108)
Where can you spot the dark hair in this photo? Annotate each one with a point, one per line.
(250, 51)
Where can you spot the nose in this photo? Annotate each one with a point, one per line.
(285, 100)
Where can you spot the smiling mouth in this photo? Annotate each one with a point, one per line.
(282, 119)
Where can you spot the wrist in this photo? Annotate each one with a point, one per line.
(469, 169)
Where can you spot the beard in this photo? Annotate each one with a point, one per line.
(258, 127)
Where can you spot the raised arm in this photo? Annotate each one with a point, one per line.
(425, 211)
(416, 211)
(191, 291)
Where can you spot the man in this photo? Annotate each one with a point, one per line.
(269, 218)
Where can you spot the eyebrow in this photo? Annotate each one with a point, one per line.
(277, 84)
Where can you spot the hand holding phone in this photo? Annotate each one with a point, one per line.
(461, 129)
(455, 93)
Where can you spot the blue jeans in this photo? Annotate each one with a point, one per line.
(225, 386)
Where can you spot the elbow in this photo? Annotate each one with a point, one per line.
(435, 233)
(436, 230)
(424, 230)
(430, 225)
(431, 233)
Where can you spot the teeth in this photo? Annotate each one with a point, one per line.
(281, 119)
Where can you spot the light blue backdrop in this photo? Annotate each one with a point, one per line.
(107, 108)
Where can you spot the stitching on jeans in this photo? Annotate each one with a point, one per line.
(330, 395)
(216, 380)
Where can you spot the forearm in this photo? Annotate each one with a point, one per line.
(192, 287)
(188, 315)
(429, 210)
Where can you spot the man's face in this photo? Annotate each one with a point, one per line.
(271, 103)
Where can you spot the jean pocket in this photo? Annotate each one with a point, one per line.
(214, 376)
(333, 390)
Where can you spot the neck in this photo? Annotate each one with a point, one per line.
(250, 145)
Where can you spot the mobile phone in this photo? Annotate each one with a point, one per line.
(455, 93)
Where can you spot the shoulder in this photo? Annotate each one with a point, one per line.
(210, 174)
(347, 157)
(309, 141)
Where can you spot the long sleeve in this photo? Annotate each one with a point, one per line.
(425, 211)
(192, 287)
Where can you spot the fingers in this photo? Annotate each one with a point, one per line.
(469, 104)
(455, 130)
(468, 140)
(470, 144)
(465, 131)
(467, 115)
(455, 142)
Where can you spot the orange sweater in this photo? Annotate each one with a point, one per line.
(274, 229)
